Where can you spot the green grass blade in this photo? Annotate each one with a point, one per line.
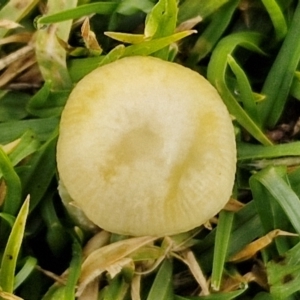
(43, 128)
(27, 145)
(190, 9)
(13, 105)
(277, 18)
(113, 55)
(245, 220)
(55, 292)
(28, 267)
(213, 32)
(154, 45)
(145, 48)
(78, 68)
(263, 296)
(9, 259)
(248, 151)
(295, 87)
(276, 217)
(12, 200)
(244, 89)
(221, 245)
(162, 287)
(116, 290)
(102, 8)
(130, 7)
(293, 179)
(271, 179)
(216, 74)
(279, 80)
(74, 270)
(161, 22)
(47, 103)
(8, 218)
(56, 235)
(42, 169)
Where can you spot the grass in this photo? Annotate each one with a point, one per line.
(249, 51)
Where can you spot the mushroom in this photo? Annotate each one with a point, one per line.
(146, 147)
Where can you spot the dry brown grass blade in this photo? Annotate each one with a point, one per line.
(89, 37)
(23, 37)
(189, 259)
(8, 148)
(8, 24)
(99, 240)
(136, 287)
(9, 296)
(29, 79)
(16, 68)
(111, 255)
(58, 279)
(234, 281)
(251, 249)
(91, 291)
(234, 205)
(16, 56)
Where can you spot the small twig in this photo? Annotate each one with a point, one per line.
(51, 275)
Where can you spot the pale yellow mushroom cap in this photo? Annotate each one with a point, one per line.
(146, 147)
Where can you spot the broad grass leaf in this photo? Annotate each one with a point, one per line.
(43, 128)
(47, 103)
(162, 287)
(13, 106)
(78, 68)
(161, 21)
(41, 169)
